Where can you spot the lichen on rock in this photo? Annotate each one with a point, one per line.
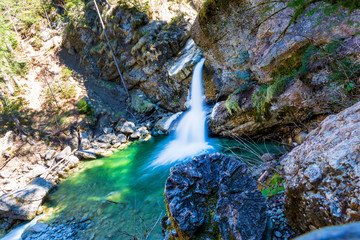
(214, 196)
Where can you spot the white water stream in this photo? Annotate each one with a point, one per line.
(190, 137)
(16, 233)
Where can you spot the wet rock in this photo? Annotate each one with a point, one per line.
(128, 128)
(24, 203)
(167, 124)
(39, 227)
(63, 154)
(344, 232)
(140, 133)
(214, 196)
(322, 174)
(183, 66)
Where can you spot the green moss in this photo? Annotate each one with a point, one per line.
(291, 64)
(232, 104)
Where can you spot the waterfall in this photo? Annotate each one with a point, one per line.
(190, 134)
(16, 233)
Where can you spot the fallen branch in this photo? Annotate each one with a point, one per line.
(111, 49)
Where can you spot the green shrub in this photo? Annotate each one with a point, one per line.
(85, 108)
(273, 186)
(65, 73)
(232, 104)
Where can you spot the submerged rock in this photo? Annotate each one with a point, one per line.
(214, 196)
(23, 203)
(322, 175)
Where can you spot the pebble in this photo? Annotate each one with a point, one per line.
(278, 234)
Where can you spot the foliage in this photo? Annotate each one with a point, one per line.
(135, 5)
(273, 186)
(342, 68)
(258, 100)
(74, 12)
(85, 108)
(232, 104)
(208, 7)
(65, 73)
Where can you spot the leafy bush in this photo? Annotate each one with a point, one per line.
(65, 73)
(232, 104)
(85, 108)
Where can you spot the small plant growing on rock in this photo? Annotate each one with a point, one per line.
(273, 186)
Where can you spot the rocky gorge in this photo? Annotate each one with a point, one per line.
(278, 70)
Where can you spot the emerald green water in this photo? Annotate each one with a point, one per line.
(126, 177)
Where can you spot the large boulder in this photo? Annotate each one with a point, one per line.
(24, 203)
(214, 196)
(323, 174)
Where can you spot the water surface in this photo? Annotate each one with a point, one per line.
(128, 179)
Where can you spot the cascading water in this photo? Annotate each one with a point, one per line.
(16, 233)
(190, 135)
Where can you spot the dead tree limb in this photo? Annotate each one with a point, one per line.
(111, 49)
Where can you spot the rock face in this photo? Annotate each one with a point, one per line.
(24, 203)
(214, 196)
(323, 174)
(144, 50)
(263, 81)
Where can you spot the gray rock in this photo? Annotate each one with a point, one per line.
(128, 128)
(322, 175)
(106, 138)
(140, 133)
(37, 171)
(141, 103)
(183, 66)
(214, 196)
(85, 144)
(24, 203)
(49, 154)
(63, 154)
(120, 138)
(73, 161)
(87, 155)
(108, 130)
(167, 124)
